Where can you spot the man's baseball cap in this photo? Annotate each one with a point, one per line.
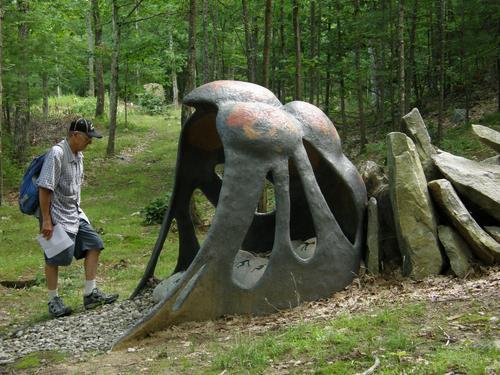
(84, 126)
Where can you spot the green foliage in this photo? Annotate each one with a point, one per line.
(151, 104)
(155, 210)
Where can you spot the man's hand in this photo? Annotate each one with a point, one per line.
(45, 196)
(47, 229)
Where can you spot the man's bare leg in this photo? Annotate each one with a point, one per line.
(93, 297)
(91, 263)
(51, 276)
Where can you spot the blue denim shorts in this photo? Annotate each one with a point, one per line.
(86, 239)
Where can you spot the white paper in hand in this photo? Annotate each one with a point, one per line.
(59, 242)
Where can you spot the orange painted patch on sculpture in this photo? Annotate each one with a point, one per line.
(270, 121)
(246, 119)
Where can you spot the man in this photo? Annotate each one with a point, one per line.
(59, 185)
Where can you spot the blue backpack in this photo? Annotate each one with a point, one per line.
(28, 191)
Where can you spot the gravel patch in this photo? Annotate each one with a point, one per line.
(94, 330)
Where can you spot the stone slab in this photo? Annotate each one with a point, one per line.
(456, 249)
(482, 244)
(413, 210)
(480, 183)
(488, 136)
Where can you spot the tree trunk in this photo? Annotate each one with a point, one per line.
(298, 54)
(312, 49)
(90, 46)
(1, 103)
(267, 40)
(281, 81)
(248, 41)
(359, 83)
(191, 65)
(442, 45)
(340, 49)
(401, 62)
(138, 32)
(205, 60)
(175, 87)
(380, 62)
(98, 49)
(113, 96)
(22, 116)
(463, 63)
(45, 95)
(214, 15)
(317, 72)
(412, 65)
(328, 70)
(125, 99)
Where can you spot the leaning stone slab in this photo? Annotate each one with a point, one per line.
(374, 178)
(488, 136)
(484, 247)
(456, 249)
(493, 160)
(480, 183)
(372, 238)
(414, 219)
(417, 130)
(377, 186)
(493, 232)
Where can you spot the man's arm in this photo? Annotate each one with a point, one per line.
(45, 196)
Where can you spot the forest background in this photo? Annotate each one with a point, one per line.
(365, 63)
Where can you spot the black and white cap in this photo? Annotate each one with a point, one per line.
(84, 126)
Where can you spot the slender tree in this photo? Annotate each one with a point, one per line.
(267, 41)
(113, 96)
(214, 17)
(401, 61)
(442, 46)
(412, 80)
(359, 81)
(281, 53)
(22, 115)
(205, 59)
(173, 74)
(298, 54)
(340, 58)
(191, 65)
(98, 49)
(1, 102)
(249, 42)
(90, 51)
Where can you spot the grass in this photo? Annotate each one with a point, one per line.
(349, 343)
(37, 359)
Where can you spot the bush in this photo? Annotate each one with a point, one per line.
(151, 104)
(155, 211)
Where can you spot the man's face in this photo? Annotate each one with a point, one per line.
(83, 140)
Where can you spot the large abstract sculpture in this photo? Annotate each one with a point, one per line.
(319, 195)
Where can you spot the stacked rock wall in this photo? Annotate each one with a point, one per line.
(445, 209)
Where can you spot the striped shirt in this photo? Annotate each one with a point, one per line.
(62, 173)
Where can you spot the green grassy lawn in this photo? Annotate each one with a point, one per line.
(115, 191)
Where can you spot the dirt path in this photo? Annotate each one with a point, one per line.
(444, 295)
